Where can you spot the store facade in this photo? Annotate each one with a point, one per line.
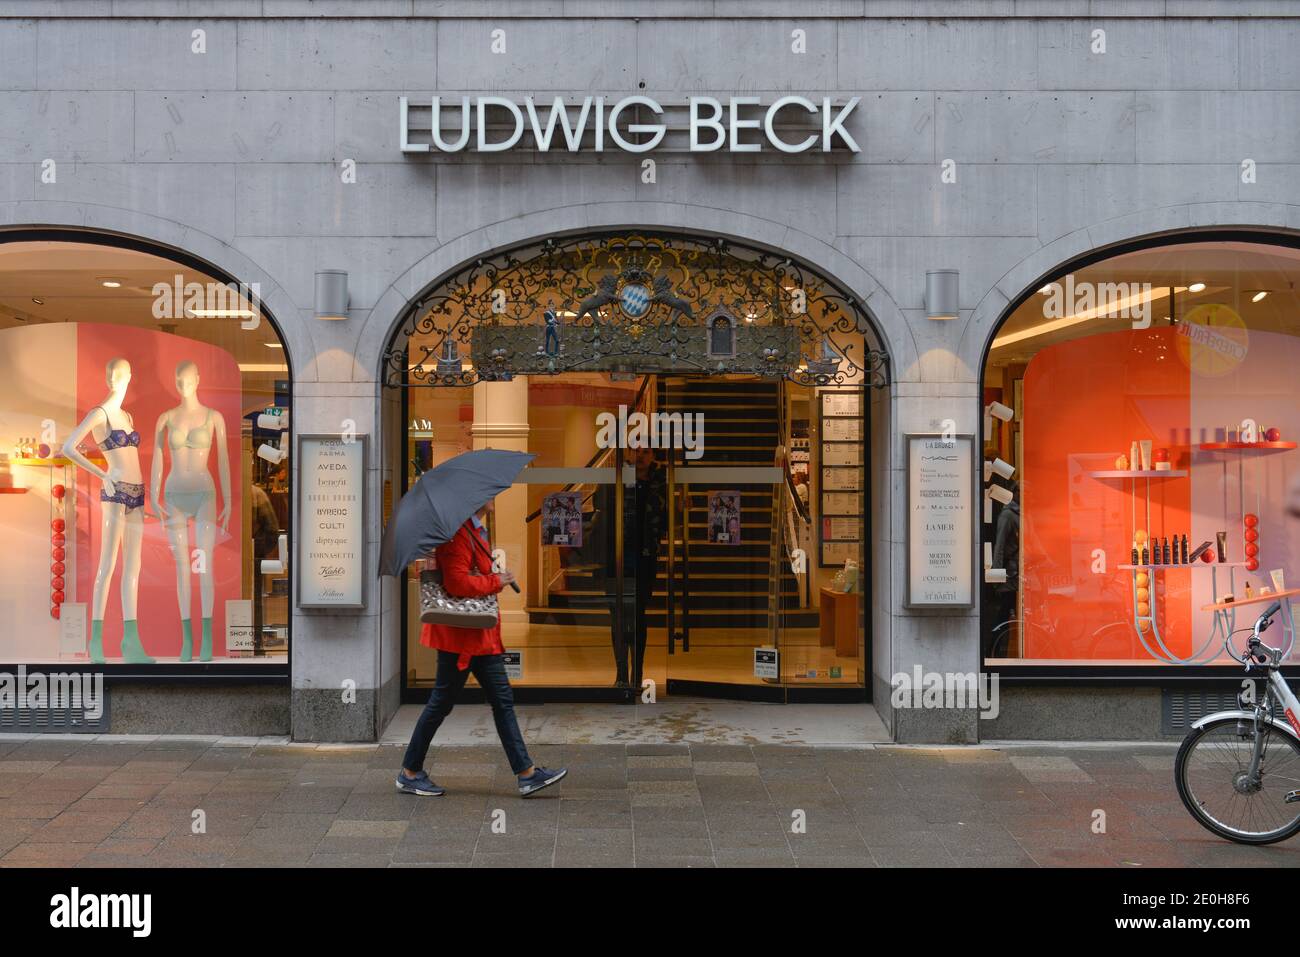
(914, 246)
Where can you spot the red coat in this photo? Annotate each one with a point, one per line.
(455, 559)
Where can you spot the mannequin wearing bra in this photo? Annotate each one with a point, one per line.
(122, 499)
(188, 432)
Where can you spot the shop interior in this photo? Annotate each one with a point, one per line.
(1141, 430)
(171, 379)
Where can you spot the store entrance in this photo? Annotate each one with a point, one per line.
(667, 536)
(695, 517)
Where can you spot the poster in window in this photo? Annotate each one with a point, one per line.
(562, 519)
(724, 518)
(842, 430)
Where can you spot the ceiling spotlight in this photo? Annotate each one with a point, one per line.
(1196, 287)
(110, 283)
(1259, 294)
(39, 302)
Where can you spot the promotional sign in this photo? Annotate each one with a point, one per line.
(331, 510)
(562, 519)
(724, 518)
(767, 663)
(514, 662)
(940, 521)
(239, 627)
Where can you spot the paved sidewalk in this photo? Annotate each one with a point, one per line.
(66, 801)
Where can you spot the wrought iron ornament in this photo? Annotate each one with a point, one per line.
(640, 302)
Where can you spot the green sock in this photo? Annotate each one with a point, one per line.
(205, 650)
(187, 640)
(132, 651)
(97, 641)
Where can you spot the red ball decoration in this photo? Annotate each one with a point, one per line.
(54, 611)
(57, 552)
(58, 491)
(57, 568)
(1160, 455)
(1252, 535)
(57, 582)
(1251, 549)
(56, 597)
(1273, 435)
(1251, 520)
(1252, 564)
(1207, 556)
(43, 451)
(57, 524)
(57, 538)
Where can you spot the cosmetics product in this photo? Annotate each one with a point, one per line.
(1145, 446)
(1164, 549)
(1135, 553)
(1184, 549)
(1222, 546)
(1279, 579)
(1201, 549)
(1144, 556)
(1134, 462)
(1249, 593)
(1121, 464)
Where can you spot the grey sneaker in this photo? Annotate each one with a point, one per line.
(420, 784)
(540, 778)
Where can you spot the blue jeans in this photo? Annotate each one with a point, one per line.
(490, 670)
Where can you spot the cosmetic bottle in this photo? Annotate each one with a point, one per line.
(1165, 548)
(1144, 555)
(1135, 553)
(1184, 549)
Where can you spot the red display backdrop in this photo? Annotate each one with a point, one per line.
(1085, 402)
(153, 357)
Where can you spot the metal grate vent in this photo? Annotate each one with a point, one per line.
(57, 720)
(1179, 710)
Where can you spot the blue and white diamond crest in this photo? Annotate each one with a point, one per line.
(634, 300)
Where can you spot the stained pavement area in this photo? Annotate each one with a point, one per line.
(132, 802)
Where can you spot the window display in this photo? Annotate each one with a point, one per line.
(1138, 479)
(133, 429)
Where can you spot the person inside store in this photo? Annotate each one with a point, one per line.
(645, 527)
(466, 565)
(1006, 554)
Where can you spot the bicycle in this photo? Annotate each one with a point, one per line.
(1238, 772)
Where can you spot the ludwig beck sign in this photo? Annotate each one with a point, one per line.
(633, 124)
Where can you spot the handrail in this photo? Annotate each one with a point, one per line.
(591, 463)
(799, 505)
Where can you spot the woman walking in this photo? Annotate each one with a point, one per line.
(466, 565)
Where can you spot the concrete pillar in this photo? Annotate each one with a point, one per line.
(501, 422)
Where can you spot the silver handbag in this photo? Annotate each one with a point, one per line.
(439, 608)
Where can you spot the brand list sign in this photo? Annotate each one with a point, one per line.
(940, 516)
(331, 520)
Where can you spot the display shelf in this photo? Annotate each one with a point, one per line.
(57, 461)
(1253, 600)
(1140, 473)
(1196, 564)
(1246, 446)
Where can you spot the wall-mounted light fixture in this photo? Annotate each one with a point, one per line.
(941, 294)
(331, 294)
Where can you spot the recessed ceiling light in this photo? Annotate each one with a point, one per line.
(110, 283)
(1046, 290)
(273, 345)
(1196, 287)
(1259, 294)
(39, 302)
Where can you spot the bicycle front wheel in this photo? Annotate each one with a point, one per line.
(1212, 772)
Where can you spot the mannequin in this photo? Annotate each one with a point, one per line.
(188, 432)
(122, 500)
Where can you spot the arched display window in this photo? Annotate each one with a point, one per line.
(144, 494)
(1142, 410)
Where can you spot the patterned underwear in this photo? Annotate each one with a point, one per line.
(130, 494)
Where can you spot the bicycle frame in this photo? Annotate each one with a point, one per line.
(1262, 714)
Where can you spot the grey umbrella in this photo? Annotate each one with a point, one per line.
(442, 500)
